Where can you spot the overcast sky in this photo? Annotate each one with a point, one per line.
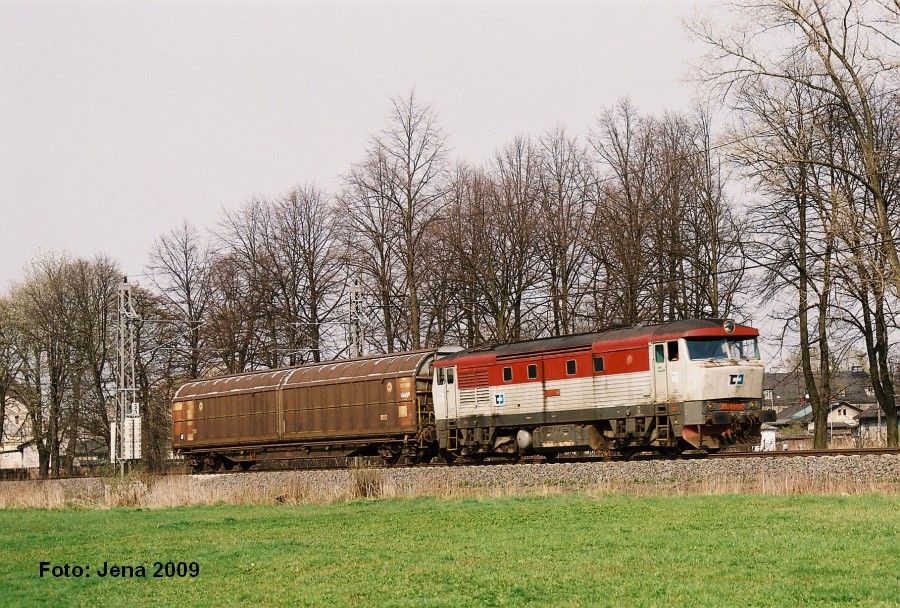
(119, 120)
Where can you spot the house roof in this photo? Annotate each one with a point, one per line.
(842, 425)
(871, 413)
(789, 388)
(802, 412)
(798, 412)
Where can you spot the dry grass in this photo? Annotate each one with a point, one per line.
(142, 490)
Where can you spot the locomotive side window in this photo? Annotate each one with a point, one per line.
(570, 367)
(598, 364)
(660, 353)
(507, 374)
(673, 351)
(440, 375)
(532, 371)
(450, 375)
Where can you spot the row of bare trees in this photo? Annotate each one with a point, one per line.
(552, 236)
(56, 355)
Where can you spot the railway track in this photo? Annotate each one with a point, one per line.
(795, 453)
(539, 460)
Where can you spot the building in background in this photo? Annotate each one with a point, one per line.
(17, 450)
(784, 390)
(854, 418)
(872, 429)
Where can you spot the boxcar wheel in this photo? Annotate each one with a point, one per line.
(245, 466)
(390, 456)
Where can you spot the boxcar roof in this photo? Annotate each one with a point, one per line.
(377, 366)
(615, 336)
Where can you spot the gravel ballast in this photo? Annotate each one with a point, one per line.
(782, 475)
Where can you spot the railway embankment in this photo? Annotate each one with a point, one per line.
(843, 474)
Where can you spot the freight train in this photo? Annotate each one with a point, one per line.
(691, 385)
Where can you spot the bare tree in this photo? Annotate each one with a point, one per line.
(246, 244)
(179, 269)
(404, 177)
(233, 315)
(864, 270)
(623, 144)
(715, 248)
(371, 234)
(310, 277)
(10, 363)
(490, 233)
(813, 117)
(563, 179)
(792, 233)
(849, 61)
(44, 314)
(92, 285)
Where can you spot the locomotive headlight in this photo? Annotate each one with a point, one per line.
(728, 326)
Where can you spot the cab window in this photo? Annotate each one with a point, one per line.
(660, 355)
(450, 375)
(440, 375)
(507, 374)
(570, 367)
(532, 371)
(598, 364)
(673, 350)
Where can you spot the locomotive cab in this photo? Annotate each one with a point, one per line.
(714, 380)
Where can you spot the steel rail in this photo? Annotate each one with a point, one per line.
(540, 460)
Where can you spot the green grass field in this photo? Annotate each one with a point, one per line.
(567, 550)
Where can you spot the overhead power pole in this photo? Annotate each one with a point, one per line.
(356, 323)
(128, 412)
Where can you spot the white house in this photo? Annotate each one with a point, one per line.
(16, 448)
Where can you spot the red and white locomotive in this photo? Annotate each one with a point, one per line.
(693, 384)
(685, 385)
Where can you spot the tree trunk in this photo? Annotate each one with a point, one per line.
(820, 413)
(388, 321)
(893, 433)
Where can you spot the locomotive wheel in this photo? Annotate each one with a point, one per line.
(196, 466)
(246, 464)
(411, 455)
(228, 465)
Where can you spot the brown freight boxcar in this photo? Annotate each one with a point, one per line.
(379, 405)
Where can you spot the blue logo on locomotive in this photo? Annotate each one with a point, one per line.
(736, 379)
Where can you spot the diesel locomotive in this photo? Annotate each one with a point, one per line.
(691, 385)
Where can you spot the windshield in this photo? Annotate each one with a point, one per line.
(722, 348)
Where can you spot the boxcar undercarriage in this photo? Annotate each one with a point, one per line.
(624, 432)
